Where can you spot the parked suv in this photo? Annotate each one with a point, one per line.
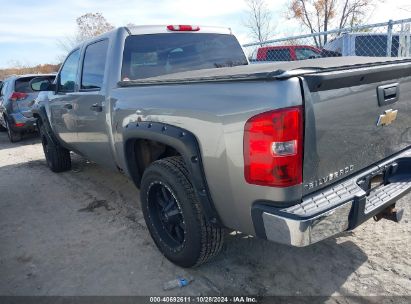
(16, 99)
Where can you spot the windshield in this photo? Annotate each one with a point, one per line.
(158, 54)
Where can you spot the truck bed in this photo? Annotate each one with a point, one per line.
(277, 70)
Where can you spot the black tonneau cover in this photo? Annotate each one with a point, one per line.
(267, 70)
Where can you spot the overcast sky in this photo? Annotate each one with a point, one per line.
(29, 30)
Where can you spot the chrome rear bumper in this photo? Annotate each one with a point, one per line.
(308, 231)
(338, 208)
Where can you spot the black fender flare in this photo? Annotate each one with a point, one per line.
(185, 143)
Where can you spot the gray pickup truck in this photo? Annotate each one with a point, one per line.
(291, 152)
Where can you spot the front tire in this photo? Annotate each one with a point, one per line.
(58, 158)
(174, 216)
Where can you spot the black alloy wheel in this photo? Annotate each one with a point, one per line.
(166, 214)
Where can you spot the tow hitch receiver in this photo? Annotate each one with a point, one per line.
(390, 213)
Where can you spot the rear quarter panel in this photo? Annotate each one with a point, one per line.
(216, 114)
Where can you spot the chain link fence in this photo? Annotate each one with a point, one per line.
(390, 39)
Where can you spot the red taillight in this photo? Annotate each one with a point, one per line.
(273, 148)
(16, 96)
(19, 124)
(183, 28)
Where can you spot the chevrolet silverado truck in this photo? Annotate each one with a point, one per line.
(292, 152)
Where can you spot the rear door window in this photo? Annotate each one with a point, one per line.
(278, 55)
(94, 65)
(158, 54)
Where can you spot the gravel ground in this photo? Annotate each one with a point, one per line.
(52, 244)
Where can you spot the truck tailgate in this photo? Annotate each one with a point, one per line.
(354, 118)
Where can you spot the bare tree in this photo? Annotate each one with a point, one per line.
(91, 25)
(406, 8)
(320, 15)
(66, 44)
(259, 20)
(88, 25)
(353, 12)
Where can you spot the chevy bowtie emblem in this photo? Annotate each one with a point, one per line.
(387, 118)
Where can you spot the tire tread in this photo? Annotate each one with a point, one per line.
(212, 237)
(59, 159)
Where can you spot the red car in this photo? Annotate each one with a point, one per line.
(287, 53)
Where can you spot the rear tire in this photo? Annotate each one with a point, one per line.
(58, 158)
(13, 135)
(174, 216)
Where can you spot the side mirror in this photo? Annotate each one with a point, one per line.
(38, 84)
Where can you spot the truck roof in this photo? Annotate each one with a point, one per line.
(159, 29)
(267, 70)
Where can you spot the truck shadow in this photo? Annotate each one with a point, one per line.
(259, 267)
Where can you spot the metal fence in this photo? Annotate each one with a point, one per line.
(390, 39)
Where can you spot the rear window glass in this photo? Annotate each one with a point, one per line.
(278, 55)
(375, 45)
(22, 85)
(158, 54)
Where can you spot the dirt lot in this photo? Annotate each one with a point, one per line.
(51, 245)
